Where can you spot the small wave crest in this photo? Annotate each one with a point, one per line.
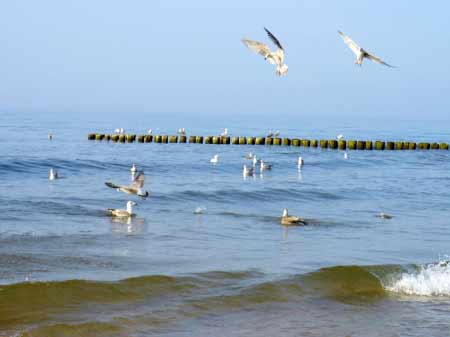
(428, 280)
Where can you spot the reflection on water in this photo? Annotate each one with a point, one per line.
(128, 225)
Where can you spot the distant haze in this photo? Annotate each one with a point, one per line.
(186, 57)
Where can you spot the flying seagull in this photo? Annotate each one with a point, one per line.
(134, 188)
(361, 53)
(276, 57)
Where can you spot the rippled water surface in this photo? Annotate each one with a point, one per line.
(67, 269)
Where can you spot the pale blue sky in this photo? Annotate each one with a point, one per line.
(186, 57)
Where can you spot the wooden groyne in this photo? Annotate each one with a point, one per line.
(314, 143)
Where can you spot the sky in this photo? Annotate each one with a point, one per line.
(185, 57)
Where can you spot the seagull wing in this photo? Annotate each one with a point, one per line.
(377, 60)
(274, 39)
(110, 184)
(138, 181)
(258, 47)
(350, 43)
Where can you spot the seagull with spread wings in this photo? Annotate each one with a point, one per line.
(276, 57)
(360, 52)
(135, 187)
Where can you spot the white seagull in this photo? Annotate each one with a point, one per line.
(300, 162)
(224, 133)
(360, 52)
(276, 57)
(215, 159)
(52, 174)
(247, 171)
(249, 156)
(345, 155)
(264, 166)
(122, 213)
(135, 187)
(181, 131)
(255, 161)
(150, 131)
(276, 133)
(339, 137)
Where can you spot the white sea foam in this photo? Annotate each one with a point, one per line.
(429, 280)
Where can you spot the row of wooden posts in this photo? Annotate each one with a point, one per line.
(323, 143)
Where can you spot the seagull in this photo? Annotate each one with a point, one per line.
(181, 131)
(345, 155)
(117, 130)
(50, 136)
(276, 57)
(134, 188)
(339, 137)
(133, 168)
(215, 159)
(122, 213)
(255, 161)
(300, 162)
(224, 133)
(52, 174)
(361, 53)
(247, 171)
(264, 166)
(150, 131)
(199, 210)
(384, 216)
(270, 134)
(276, 133)
(249, 156)
(289, 220)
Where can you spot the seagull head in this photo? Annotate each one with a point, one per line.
(282, 70)
(285, 212)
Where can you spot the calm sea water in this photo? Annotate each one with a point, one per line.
(67, 269)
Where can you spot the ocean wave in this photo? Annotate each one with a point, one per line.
(428, 280)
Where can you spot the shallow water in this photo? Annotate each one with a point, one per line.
(67, 269)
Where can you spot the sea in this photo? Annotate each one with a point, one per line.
(205, 254)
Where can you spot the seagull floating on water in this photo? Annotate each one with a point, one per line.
(215, 159)
(289, 220)
(249, 156)
(247, 171)
(199, 210)
(345, 155)
(300, 162)
(52, 174)
(264, 166)
(122, 213)
(384, 216)
(360, 53)
(135, 187)
(50, 136)
(276, 58)
(255, 161)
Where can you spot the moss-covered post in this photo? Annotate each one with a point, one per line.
(443, 146)
(369, 145)
(157, 138)
(242, 140)
(199, 139)
(412, 146)
(191, 139)
(361, 144)
(141, 139)
(164, 139)
(250, 140)
(115, 138)
(295, 142)
(91, 136)
(130, 138)
(269, 141)
(424, 146)
(173, 139)
(215, 140)
(260, 141)
(286, 141)
(352, 144)
(399, 145)
(148, 139)
(314, 143)
(235, 140)
(323, 143)
(121, 138)
(306, 143)
(225, 140)
(333, 144)
(99, 136)
(277, 141)
(435, 146)
(107, 137)
(379, 145)
(342, 145)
